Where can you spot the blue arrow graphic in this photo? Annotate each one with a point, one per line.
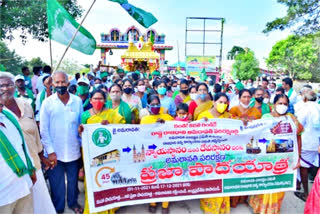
(126, 149)
(152, 147)
(262, 140)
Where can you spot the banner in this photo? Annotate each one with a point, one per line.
(195, 64)
(62, 26)
(135, 164)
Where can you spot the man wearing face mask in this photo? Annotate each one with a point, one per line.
(257, 102)
(22, 91)
(249, 83)
(83, 92)
(60, 117)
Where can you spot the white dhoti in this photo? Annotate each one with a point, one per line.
(309, 159)
(41, 198)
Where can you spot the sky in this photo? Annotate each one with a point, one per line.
(245, 20)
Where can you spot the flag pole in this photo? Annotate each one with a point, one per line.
(50, 52)
(74, 36)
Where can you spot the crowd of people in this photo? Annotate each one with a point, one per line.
(42, 118)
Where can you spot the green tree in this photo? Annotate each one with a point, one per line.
(234, 52)
(302, 15)
(36, 62)
(246, 65)
(70, 66)
(315, 66)
(11, 61)
(30, 17)
(294, 56)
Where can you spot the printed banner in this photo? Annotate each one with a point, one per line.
(195, 64)
(135, 164)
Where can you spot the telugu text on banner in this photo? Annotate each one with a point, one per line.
(135, 164)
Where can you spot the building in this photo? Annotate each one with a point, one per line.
(116, 39)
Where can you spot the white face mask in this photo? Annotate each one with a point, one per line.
(115, 97)
(174, 88)
(193, 96)
(266, 100)
(244, 106)
(281, 109)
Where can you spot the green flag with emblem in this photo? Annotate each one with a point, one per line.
(144, 18)
(62, 26)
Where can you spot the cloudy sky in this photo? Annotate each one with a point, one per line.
(245, 20)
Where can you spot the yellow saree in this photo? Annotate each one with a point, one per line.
(216, 205)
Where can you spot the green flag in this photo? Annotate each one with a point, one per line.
(144, 18)
(62, 27)
(203, 75)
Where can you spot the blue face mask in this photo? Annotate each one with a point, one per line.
(203, 97)
(162, 91)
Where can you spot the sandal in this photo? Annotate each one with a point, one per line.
(77, 209)
(301, 196)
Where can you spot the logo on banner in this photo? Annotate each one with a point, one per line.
(101, 137)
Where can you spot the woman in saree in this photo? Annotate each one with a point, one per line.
(202, 103)
(183, 96)
(216, 205)
(141, 92)
(117, 104)
(99, 114)
(132, 100)
(245, 113)
(270, 203)
(312, 204)
(156, 117)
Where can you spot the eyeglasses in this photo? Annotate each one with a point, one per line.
(6, 86)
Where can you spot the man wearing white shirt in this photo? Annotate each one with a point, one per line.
(15, 180)
(287, 84)
(60, 116)
(309, 116)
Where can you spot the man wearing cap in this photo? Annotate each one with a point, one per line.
(22, 91)
(155, 74)
(121, 73)
(83, 92)
(234, 96)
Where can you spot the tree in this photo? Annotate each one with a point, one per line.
(36, 62)
(11, 61)
(315, 65)
(30, 17)
(234, 52)
(294, 56)
(70, 66)
(303, 15)
(246, 65)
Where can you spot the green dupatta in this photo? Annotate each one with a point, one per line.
(123, 109)
(9, 153)
(265, 109)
